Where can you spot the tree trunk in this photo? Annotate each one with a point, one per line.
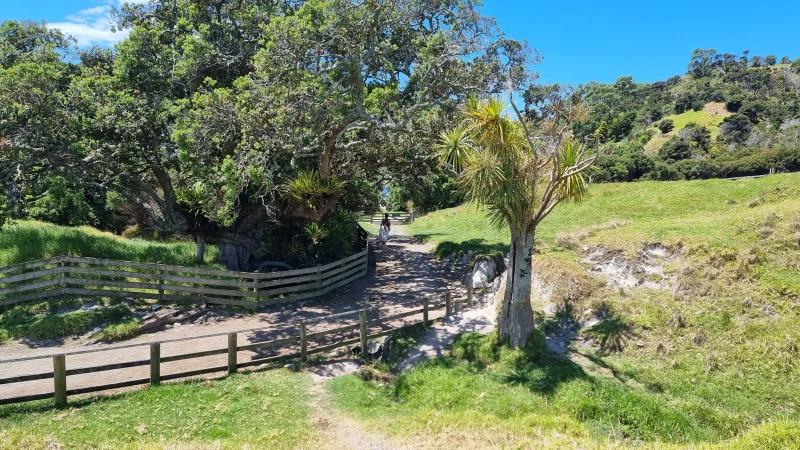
(516, 315)
(201, 248)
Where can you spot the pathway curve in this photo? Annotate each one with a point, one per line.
(405, 272)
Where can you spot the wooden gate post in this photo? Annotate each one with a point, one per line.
(425, 310)
(362, 322)
(448, 304)
(60, 380)
(303, 342)
(366, 258)
(470, 296)
(232, 350)
(155, 363)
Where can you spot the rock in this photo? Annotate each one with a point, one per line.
(355, 349)
(155, 307)
(380, 350)
(177, 325)
(167, 327)
(292, 367)
(483, 274)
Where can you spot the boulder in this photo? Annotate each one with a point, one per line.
(483, 274)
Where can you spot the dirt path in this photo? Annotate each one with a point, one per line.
(339, 431)
(405, 272)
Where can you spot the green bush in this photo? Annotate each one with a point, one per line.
(666, 125)
(676, 149)
(4, 336)
(698, 169)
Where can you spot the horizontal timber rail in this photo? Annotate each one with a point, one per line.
(394, 217)
(72, 275)
(293, 347)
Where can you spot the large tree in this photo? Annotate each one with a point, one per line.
(520, 172)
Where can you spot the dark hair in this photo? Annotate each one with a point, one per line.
(386, 216)
(385, 220)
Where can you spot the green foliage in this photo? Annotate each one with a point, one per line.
(308, 187)
(63, 204)
(666, 125)
(736, 129)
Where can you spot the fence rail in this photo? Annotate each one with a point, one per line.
(72, 275)
(401, 217)
(61, 372)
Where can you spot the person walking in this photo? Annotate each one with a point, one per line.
(383, 233)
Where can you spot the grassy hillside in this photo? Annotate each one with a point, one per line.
(27, 241)
(708, 357)
(711, 116)
(266, 410)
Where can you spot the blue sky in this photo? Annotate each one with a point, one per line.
(580, 40)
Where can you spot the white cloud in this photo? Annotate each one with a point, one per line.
(92, 26)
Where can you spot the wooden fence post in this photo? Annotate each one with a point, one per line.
(362, 322)
(63, 278)
(232, 353)
(303, 342)
(155, 363)
(256, 289)
(60, 380)
(160, 283)
(448, 304)
(319, 279)
(425, 309)
(470, 296)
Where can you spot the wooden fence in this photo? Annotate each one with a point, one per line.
(296, 347)
(72, 275)
(394, 217)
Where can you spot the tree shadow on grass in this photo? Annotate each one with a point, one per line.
(449, 249)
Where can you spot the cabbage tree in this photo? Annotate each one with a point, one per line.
(519, 174)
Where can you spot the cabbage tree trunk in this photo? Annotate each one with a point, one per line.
(516, 315)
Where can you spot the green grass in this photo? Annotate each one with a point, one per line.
(263, 410)
(502, 399)
(42, 321)
(28, 241)
(703, 118)
(119, 331)
(731, 370)
(708, 211)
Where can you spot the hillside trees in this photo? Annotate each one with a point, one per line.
(520, 174)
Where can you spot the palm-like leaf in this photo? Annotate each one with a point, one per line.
(574, 187)
(455, 146)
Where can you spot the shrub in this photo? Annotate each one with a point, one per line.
(698, 169)
(666, 125)
(735, 128)
(676, 148)
(734, 103)
(662, 171)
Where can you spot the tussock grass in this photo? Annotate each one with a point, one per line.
(28, 241)
(264, 410)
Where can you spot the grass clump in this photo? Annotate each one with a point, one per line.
(42, 321)
(119, 331)
(265, 410)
